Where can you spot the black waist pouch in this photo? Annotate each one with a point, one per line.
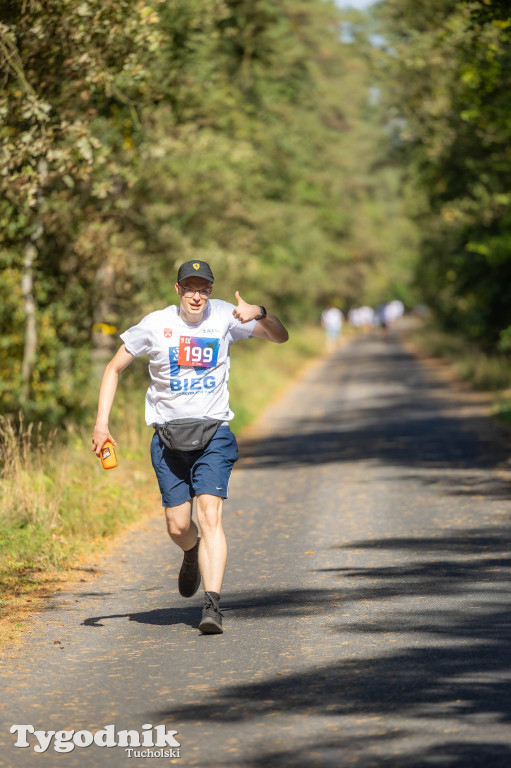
(188, 434)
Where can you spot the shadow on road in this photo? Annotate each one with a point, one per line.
(158, 616)
(431, 441)
(450, 669)
(391, 409)
(336, 754)
(437, 690)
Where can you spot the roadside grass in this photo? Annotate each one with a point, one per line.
(484, 372)
(59, 508)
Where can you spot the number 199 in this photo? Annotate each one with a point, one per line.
(198, 354)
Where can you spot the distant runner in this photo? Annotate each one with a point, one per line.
(332, 320)
(193, 449)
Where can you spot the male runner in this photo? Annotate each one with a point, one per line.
(188, 347)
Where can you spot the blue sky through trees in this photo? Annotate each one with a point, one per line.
(360, 4)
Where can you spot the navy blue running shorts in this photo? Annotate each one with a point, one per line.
(184, 474)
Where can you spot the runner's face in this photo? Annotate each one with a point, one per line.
(193, 304)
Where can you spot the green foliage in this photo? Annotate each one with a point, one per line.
(71, 70)
(448, 64)
(484, 372)
(136, 135)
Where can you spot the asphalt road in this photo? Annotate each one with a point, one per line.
(367, 602)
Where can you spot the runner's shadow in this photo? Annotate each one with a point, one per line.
(265, 604)
(159, 617)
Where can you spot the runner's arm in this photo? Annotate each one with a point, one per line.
(268, 329)
(107, 390)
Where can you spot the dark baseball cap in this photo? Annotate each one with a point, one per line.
(195, 269)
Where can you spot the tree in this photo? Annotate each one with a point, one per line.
(73, 78)
(449, 66)
(142, 133)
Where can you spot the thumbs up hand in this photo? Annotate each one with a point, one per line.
(245, 312)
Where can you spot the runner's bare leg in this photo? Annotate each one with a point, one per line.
(213, 546)
(182, 529)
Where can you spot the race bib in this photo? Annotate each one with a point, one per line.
(198, 352)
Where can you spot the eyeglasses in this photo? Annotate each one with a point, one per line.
(204, 293)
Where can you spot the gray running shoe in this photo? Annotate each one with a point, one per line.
(189, 575)
(211, 621)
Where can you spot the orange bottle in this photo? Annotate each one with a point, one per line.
(108, 457)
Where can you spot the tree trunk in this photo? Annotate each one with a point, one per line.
(30, 348)
(27, 289)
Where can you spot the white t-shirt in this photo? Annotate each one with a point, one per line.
(188, 363)
(332, 319)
